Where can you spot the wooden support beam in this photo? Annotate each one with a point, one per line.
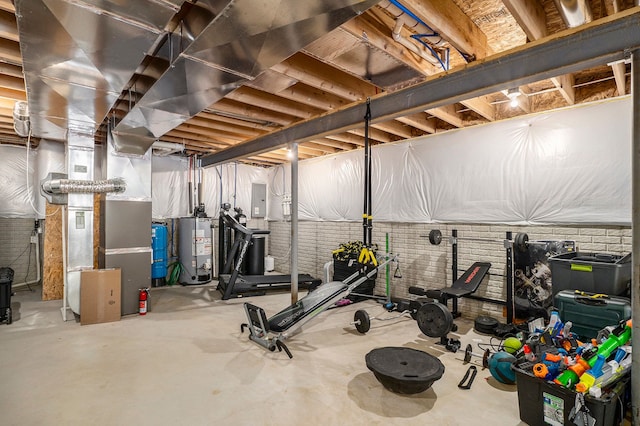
(243, 132)
(619, 73)
(375, 28)
(8, 26)
(262, 99)
(347, 138)
(530, 15)
(344, 146)
(375, 135)
(309, 95)
(395, 128)
(564, 83)
(321, 147)
(7, 5)
(481, 106)
(255, 113)
(332, 45)
(445, 17)
(11, 70)
(10, 52)
(420, 121)
(13, 83)
(322, 76)
(447, 113)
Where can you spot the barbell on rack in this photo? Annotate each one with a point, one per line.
(520, 241)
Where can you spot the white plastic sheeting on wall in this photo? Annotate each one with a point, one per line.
(169, 187)
(15, 199)
(230, 183)
(568, 166)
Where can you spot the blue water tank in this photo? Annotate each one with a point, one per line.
(159, 235)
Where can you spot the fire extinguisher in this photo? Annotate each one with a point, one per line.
(144, 300)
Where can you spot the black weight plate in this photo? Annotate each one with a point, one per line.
(485, 324)
(361, 318)
(434, 319)
(520, 242)
(435, 237)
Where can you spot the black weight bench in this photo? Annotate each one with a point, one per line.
(467, 284)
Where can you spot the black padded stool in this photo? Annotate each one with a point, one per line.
(404, 370)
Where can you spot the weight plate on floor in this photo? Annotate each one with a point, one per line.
(434, 319)
(435, 237)
(361, 318)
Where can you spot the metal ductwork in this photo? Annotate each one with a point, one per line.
(80, 58)
(242, 39)
(574, 12)
(78, 55)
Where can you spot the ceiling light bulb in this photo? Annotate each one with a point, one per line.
(514, 102)
(289, 154)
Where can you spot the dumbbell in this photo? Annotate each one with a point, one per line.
(468, 355)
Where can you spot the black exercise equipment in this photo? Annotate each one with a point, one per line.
(271, 333)
(509, 243)
(485, 324)
(404, 370)
(468, 355)
(520, 242)
(469, 376)
(234, 283)
(362, 321)
(435, 319)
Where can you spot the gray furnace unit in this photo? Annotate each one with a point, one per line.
(195, 250)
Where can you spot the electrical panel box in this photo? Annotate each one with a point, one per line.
(258, 200)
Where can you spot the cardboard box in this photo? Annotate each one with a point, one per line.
(100, 296)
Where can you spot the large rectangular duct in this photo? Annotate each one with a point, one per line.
(79, 161)
(243, 39)
(78, 55)
(125, 228)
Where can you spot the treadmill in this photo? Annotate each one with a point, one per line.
(231, 283)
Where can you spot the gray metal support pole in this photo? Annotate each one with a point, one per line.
(294, 223)
(635, 228)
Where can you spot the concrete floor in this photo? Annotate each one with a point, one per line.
(186, 363)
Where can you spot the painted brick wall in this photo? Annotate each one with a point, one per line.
(428, 266)
(15, 237)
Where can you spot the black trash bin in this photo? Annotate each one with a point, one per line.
(6, 280)
(255, 255)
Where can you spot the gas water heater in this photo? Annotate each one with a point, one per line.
(195, 248)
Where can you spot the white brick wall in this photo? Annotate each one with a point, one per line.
(428, 266)
(15, 237)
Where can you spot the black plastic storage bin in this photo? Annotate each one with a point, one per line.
(542, 403)
(342, 269)
(591, 272)
(6, 280)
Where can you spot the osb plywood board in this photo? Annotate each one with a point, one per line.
(52, 272)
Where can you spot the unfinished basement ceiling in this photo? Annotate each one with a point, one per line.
(382, 50)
